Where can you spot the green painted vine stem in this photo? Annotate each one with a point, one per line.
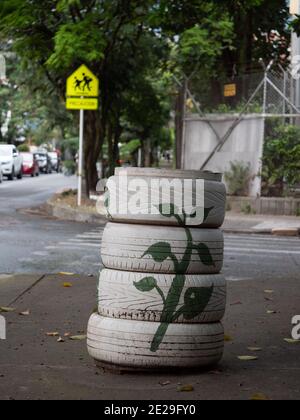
(195, 299)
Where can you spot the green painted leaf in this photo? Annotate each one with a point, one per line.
(107, 200)
(159, 252)
(207, 212)
(193, 215)
(205, 255)
(196, 300)
(146, 285)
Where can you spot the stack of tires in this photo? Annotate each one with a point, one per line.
(161, 294)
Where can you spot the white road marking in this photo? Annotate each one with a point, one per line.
(41, 253)
(260, 250)
(81, 244)
(261, 238)
(230, 278)
(92, 236)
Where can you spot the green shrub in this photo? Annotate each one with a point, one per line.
(281, 159)
(238, 178)
(247, 209)
(69, 167)
(69, 193)
(228, 207)
(24, 148)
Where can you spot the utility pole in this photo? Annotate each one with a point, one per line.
(2, 68)
(295, 10)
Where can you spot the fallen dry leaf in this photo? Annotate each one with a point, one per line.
(216, 372)
(4, 309)
(254, 349)
(227, 338)
(60, 340)
(271, 312)
(186, 388)
(291, 341)
(78, 337)
(165, 383)
(52, 334)
(247, 358)
(67, 285)
(67, 334)
(66, 274)
(236, 303)
(269, 292)
(259, 397)
(25, 313)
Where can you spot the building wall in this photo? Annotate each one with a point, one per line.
(244, 145)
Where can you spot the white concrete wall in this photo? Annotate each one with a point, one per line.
(244, 145)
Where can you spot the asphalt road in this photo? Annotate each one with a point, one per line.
(33, 244)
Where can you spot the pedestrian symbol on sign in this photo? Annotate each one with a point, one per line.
(77, 84)
(87, 81)
(83, 83)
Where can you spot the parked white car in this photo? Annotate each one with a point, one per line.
(11, 161)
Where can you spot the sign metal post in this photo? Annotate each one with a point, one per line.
(82, 94)
(80, 157)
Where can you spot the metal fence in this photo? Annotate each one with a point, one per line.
(271, 92)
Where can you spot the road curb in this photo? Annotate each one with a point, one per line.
(290, 232)
(73, 215)
(247, 231)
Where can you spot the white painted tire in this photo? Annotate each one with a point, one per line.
(124, 247)
(127, 344)
(169, 173)
(214, 197)
(119, 297)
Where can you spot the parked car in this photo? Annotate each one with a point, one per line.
(44, 162)
(30, 165)
(54, 161)
(11, 161)
(1, 174)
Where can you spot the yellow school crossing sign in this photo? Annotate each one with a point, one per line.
(82, 90)
(82, 94)
(83, 83)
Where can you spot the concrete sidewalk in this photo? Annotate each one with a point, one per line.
(36, 366)
(234, 222)
(262, 224)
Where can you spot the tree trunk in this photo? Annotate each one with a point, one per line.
(148, 159)
(93, 142)
(113, 138)
(179, 123)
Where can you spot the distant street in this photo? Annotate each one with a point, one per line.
(35, 244)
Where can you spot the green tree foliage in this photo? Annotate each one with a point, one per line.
(124, 43)
(134, 48)
(37, 112)
(254, 24)
(112, 37)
